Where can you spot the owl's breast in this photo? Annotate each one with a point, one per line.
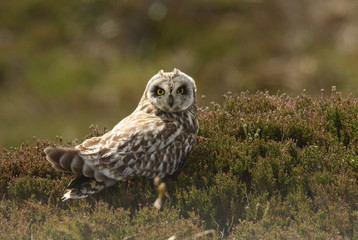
(167, 160)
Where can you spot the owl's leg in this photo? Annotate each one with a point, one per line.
(82, 187)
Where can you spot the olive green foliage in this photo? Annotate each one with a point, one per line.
(66, 64)
(265, 167)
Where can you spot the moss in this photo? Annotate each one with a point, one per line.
(266, 167)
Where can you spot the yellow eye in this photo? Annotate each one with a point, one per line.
(160, 91)
(180, 90)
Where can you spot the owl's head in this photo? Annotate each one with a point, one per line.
(171, 91)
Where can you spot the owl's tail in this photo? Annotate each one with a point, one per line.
(82, 187)
(69, 160)
(65, 159)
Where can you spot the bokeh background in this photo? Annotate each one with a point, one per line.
(65, 65)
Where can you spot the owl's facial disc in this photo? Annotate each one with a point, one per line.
(171, 94)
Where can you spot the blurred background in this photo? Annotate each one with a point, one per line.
(65, 65)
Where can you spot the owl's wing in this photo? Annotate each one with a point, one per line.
(128, 150)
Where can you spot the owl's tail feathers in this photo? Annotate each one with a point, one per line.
(64, 159)
(69, 160)
(82, 187)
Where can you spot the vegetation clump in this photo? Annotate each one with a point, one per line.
(266, 167)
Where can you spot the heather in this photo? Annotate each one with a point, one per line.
(266, 167)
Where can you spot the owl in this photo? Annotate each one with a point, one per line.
(155, 140)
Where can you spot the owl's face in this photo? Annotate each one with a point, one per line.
(171, 91)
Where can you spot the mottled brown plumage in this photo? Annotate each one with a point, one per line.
(154, 140)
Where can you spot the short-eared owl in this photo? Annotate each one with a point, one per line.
(153, 141)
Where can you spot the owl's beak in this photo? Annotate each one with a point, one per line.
(171, 100)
